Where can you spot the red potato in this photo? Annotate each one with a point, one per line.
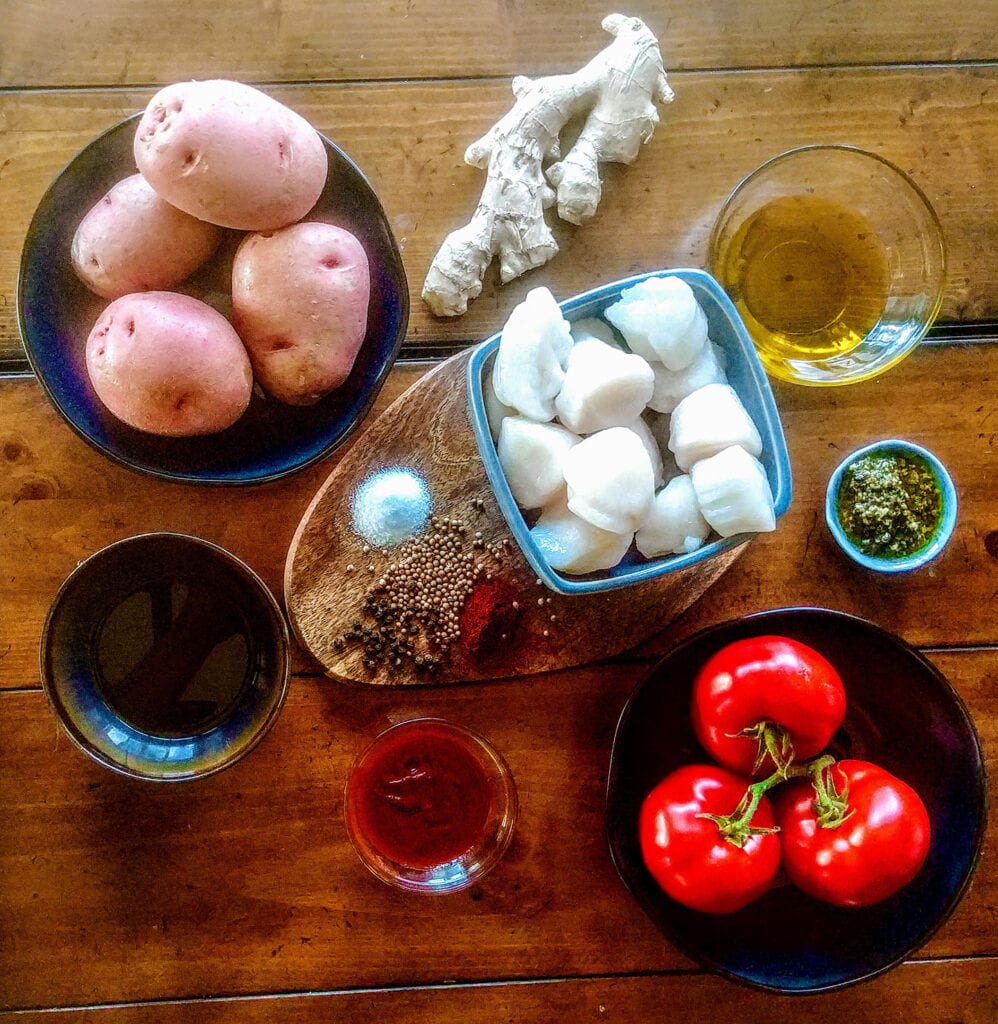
(169, 364)
(299, 302)
(132, 240)
(229, 154)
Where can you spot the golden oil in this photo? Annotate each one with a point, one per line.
(809, 276)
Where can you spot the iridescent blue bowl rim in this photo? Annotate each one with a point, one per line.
(940, 538)
(85, 717)
(745, 374)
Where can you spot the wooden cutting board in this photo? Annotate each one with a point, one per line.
(331, 569)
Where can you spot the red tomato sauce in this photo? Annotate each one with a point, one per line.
(422, 795)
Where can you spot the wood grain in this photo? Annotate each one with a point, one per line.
(239, 898)
(53, 43)
(934, 122)
(923, 993)
(331, 570)
(245, 882)
(60, 501)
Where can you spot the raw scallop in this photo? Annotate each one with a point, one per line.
(672, 386)
(675, 524)
(593, 327)
(572, 545)
(709, 420)
(734, 493)
(661, 319)
(604, 387)
(611, 480)
(495, 411)
(533, 349)
(532, 455)
(644, 431)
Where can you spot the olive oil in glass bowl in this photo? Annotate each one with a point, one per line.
(835, 260)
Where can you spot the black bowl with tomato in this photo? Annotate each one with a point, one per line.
(902, 715)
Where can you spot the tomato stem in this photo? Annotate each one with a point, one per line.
(737, 827)
(831, 807)
(771, 739)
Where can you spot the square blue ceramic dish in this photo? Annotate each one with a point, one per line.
(745, 374)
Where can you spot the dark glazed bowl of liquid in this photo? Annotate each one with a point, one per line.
(165, 657)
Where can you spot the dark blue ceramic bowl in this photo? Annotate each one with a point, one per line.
(165, 657)
(56, 312)
(901, 714)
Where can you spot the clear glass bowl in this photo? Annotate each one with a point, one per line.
(430, 806)
(903, 277)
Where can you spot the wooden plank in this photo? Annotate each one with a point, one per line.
(936, 123)
(924, 993)
(60, 501)
(127, 42)
(113, 890)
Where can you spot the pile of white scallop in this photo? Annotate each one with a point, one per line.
(606, 445)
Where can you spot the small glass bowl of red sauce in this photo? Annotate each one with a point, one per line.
(430, 806)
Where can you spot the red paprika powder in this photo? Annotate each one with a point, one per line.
(490, 618)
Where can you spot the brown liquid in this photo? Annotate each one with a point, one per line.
(809, 276)
(173, 658)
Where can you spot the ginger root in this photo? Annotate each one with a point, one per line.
(618, 87)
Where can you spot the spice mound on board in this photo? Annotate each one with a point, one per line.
(489, 618)
(438, 589)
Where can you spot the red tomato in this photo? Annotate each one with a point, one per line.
(876, 849)
(766, 679)
(687, 855)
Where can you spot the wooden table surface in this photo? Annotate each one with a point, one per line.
(239, 898)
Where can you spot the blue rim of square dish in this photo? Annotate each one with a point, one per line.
(745, 374)
(923, 555)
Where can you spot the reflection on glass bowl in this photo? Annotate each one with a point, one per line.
(836, 261)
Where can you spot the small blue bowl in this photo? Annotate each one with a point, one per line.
(272, 439)
(746, 376)
(939, 539)
(164, 657)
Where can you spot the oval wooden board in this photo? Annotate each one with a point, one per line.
(427, 430)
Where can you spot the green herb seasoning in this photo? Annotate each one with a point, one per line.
(889, 504)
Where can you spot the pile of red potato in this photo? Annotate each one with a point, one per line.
(211, 156)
